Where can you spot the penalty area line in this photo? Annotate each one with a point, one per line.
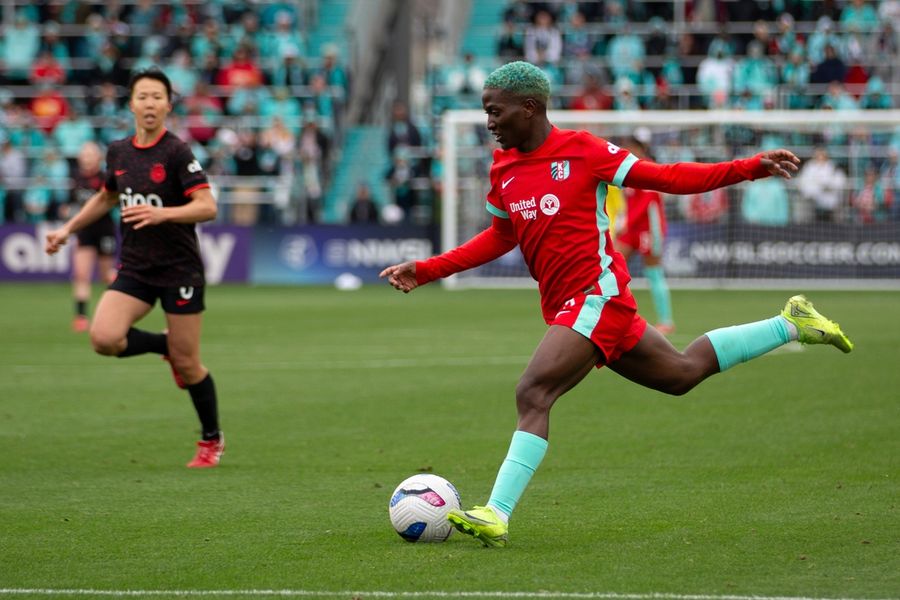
(385, 594)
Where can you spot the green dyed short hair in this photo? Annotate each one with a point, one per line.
(522, 79)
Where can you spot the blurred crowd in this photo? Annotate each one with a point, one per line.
(752, 55)
(261, 109)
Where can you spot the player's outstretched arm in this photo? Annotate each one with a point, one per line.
(694, 178)
(98, 205)
(202, 207)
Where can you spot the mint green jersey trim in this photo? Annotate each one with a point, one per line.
(609, 285)
(656, 235)
(496, 211)
(626, 165)
(589, 315)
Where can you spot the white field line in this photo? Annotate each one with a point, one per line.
(384, 594)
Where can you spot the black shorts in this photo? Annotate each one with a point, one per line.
(100, 235)
(176, 300)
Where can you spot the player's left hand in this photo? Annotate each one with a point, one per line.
(782, 163)
(143, 215)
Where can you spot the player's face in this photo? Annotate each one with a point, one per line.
(150, 104)
(508, 117)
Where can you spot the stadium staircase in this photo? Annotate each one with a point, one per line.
(330, 26)
(364, 158)
(485, 20)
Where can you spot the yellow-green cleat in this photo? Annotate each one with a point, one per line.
(482, 523)
(813, 328)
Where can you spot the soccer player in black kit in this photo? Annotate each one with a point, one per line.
(162, 192)
(96, 242)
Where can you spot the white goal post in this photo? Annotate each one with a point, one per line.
(723, 243)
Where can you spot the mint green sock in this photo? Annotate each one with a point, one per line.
(526, 451)
(659, 291)
(740, 343)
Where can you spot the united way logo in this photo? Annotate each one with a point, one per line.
(550, 204)
(559, 170)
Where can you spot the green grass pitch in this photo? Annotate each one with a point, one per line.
(778, 478)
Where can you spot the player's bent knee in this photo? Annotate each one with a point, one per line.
(533, 398)
(106, 345)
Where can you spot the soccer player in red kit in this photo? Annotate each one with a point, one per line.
(644, 232)
(547, 196)
(162, 192)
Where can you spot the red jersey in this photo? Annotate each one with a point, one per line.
(639, 206)
(552, 203)
(555, 200)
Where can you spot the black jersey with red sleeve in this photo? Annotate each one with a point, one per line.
(162, 173)
(86, 185)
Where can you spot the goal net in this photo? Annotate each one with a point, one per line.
(814, 230)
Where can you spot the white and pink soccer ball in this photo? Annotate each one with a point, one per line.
(419, 507)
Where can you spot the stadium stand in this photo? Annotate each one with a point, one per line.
(266, 90)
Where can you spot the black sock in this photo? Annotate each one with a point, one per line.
(203, 395)
(142, 342)
(81, 308)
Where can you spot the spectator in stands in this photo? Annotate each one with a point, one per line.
(54, 168)
(577, 38)
(320, 103)
(334, 72)
(248, 33)
(203, 110)
(282, 142)
(510, 45)
(823, 185)
(859, 15)
(73, 132)
(20, 44)
(284, 36)
(714, 75)
(289, 71)
(543, 35)
(520, 12)
(466, 78)
(314, 151)
(13, 171)
(282, 105)
(624, 50)
(52, 43)
(241, 71)
(795, 79)
(113, 118)
(36, 200)
(837, 98)
(182, 73)
(870, 202)
(625, 97)
(211, 41)
(108, 67)
(47, 69)
(400, 177)
(145, 16)
(755, 73)
(363, 208)
(766, 204)
(824, 35)
(832, 68)
(787, 39)
(876, 95)
(592, 96)
(48, 108)
(402, 130)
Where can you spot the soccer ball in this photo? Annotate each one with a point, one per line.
(419, 508)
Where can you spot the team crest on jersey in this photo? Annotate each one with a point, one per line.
(157, 173)
(559, 170)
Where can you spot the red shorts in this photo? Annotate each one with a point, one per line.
(612, 323)
(643, 241)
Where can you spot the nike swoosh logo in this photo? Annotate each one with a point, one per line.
(120, 172)
(181, 302)
(507, 182)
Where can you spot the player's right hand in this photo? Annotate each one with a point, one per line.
(402, 276)
(55, 240)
